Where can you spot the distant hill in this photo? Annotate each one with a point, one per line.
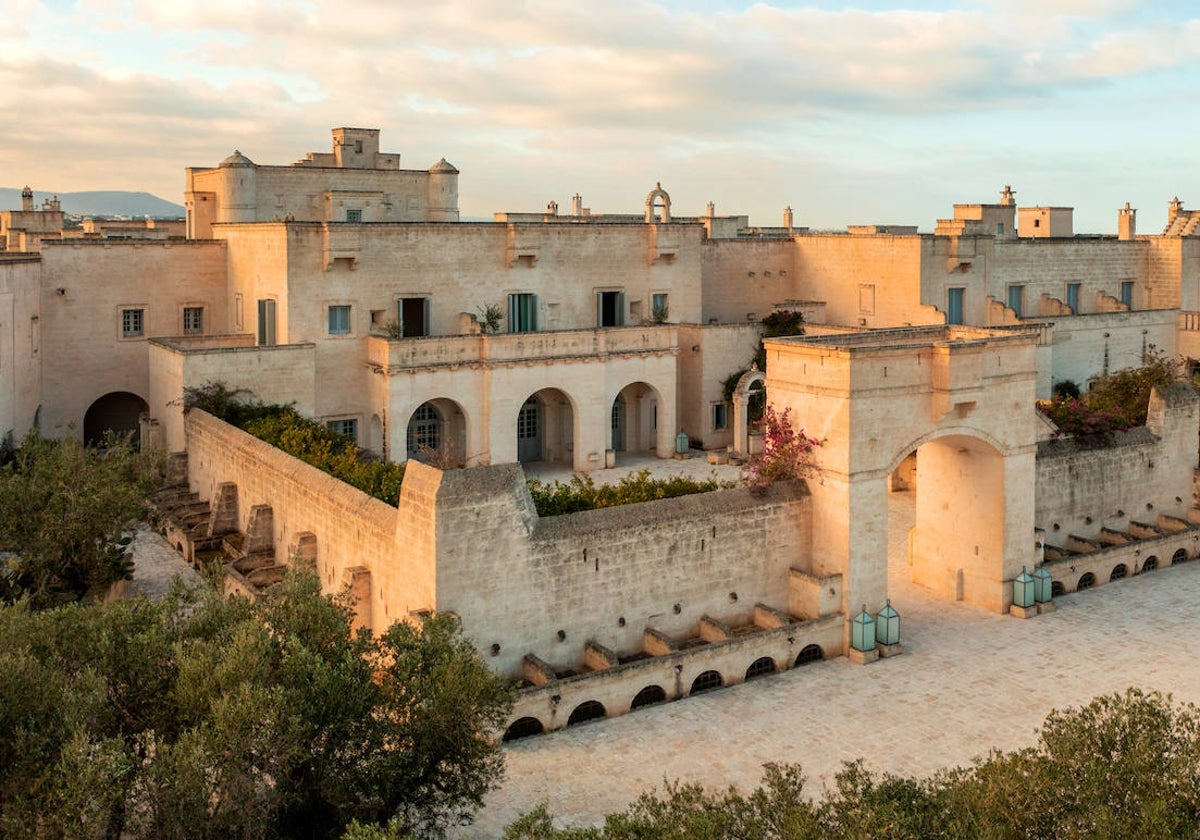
(99, 203)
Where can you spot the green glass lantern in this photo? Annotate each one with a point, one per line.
(887, 625)
(1043, 586)
(862, 631)
(681, 443)
(1023, 587)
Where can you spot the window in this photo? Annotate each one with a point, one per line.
(610, 309)
(266, 322)
(1127, 293)
(424, 429)
(954, 305)
(522, 312)
(193, 320)
(1000, 228)
(358, 147)
(413, 314)
(237, 310)
(659, 310)
(720, 416)
(339, 319)
(133, 323)
(346, 426)
(866, 299)
(1016, 299)
(354, 215)
(1073, 297)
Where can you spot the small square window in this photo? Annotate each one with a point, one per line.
(354, 215)
(193, 320)
(133, 323)
(720, 416)
(339, 319)
(347, 427)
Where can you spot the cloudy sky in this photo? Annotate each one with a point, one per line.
(878, 111)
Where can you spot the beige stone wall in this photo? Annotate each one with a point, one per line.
(20, 344)
(86, 356)
(707, 355)
(871, 281)
(604, 576)
(743, 280)
(1144, 473)
(282, 374)
(352, 529)
(1088, 346)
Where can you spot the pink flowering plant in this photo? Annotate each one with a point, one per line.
(787, 452)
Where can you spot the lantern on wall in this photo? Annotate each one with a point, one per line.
(1023, 590)
(1043, 586)
(862, 631)
(887, 625)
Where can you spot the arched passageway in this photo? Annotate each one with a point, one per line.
(633, 419)
(546, 427)
(119, 412)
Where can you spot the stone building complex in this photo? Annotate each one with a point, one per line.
(350, 287)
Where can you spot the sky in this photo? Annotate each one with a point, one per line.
(880, 111)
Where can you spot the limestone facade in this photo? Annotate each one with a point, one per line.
(348, 286)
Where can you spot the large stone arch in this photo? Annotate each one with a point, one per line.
(741, 409)
(965, 398)
(119, 412)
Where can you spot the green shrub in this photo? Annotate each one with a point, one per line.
(582, 493)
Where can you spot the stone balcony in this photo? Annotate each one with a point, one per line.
(400, 354)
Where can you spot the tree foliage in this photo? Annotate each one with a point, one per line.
(1114, 402)
(1125, 765)
(64, 510)
(308, 440)
(202, 716)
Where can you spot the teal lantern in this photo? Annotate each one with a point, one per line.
(681, 443)
(1043, 586)
(1023, 589)
(887, 625)
(862, 631)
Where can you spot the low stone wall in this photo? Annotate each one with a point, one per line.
(1102, 565)
(616, 688)
(352, 529)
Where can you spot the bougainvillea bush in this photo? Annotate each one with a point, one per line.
(787, 452)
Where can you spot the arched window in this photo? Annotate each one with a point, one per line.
(648, 696)
(1087, 581)
(809, 653)
(706, 682)
(585, 711)
(424, 429)
(1119, 571)
(523, 728)
(760, 667)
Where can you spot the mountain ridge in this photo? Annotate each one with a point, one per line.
(99, 203)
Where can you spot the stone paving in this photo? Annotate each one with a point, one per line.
(156, 565)
(968, 680)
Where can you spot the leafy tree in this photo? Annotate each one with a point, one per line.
(1125, 765)
(209, 717)
(64, 511)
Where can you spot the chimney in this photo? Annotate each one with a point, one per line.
(1174, 209)
(1126, 223)
(787, 218)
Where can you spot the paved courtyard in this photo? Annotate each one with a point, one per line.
(968, 680)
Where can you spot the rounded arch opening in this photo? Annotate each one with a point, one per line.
(633, 418)
(1119, 571)
(648, 696)
(436, 433)
(546, 427)
(119, 412)
(706, 681)
(809, 654)
(524, 727)
(761, 667)
(585, 711)
(1086, 581)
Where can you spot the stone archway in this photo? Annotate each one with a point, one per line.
(119, 412)
(658, 206)
(436, 428)
(965, 398)
(546, 428)
(741, 410)
(634, 422)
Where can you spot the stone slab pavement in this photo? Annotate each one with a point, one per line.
(156, 564)
(968, 680)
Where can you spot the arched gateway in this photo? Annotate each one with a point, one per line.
(964, 399)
